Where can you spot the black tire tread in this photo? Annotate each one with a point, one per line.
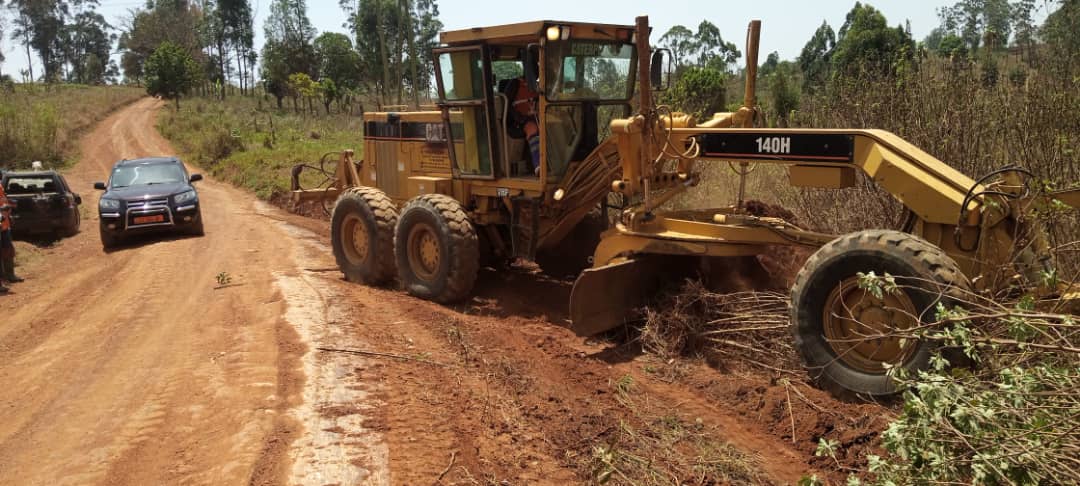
(386, 216)
(921, 254)
(464, 242)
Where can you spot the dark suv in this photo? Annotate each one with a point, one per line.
(43, 203)
(148, 195)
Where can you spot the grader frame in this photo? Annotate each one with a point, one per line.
(961, 235)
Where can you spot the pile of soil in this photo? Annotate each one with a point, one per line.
(310, 209)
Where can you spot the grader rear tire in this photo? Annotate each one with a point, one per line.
(362, 235)
(436, 249)
(841, 331)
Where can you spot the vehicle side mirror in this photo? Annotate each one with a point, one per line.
(78, 199)
(531, 68)
(99, 186)
(196, 177)
(661, 59)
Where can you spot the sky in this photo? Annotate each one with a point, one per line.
(786, 25)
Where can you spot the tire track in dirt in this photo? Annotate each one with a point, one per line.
(130, 367)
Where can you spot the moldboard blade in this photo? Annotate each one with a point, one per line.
(603, 297)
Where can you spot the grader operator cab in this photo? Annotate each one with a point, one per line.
(439, 192)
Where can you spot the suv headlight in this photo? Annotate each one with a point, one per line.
(109, 204)
(184, 197)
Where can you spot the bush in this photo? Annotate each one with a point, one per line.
(1012, 418)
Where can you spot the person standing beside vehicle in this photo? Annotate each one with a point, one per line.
(7, 245)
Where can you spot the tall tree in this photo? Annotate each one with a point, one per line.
(22, 32)
(288, 48)
(337, 60)
(680, 41)
(815, 58)
(394, 39)
(87, 47)
(289, 27)
(1024, 26)
(237, 23)
(170, 72)
(712, 50)
(41, 27)
(3, 29)
(979, 22)
(175, 21)
(1062, 33)
(866, 42)
(704, 48)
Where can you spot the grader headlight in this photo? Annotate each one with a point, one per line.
(557, 32)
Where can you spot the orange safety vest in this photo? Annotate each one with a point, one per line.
(524, 98)
(5, 224)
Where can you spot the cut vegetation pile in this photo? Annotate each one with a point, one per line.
(741, 327)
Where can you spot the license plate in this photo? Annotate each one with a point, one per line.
(157, 218)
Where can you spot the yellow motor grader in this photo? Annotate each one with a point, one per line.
(441, 192)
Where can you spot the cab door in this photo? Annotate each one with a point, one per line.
(462, 75)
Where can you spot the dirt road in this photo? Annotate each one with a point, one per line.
(139, 367)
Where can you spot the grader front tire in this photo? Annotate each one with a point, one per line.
(845, 333)
(362, 235)
(437, 249)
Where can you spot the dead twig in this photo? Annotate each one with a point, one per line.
(324, 269)
(453, 458)
(382, 355)
(791, 413)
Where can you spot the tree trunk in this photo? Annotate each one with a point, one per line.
(222, 57)
(240, 67)
(400, 54)
(412, 59)
(29, 61)
(383, 56)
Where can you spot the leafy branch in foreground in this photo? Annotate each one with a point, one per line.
(1011, 418)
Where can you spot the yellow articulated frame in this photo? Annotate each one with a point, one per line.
(706, 233)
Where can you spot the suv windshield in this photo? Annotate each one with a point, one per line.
(132, 175)
(589, 70)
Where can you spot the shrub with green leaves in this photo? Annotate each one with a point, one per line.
(1011, 418)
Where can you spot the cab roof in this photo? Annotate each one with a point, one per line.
(530, 31)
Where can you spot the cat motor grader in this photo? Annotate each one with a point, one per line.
(440, 192)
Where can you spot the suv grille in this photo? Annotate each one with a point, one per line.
(143, 214)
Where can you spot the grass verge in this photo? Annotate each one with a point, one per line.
(245, 142)
(43, 124)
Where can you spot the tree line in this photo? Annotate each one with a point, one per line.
(390, 41)
(71, 39)
(178, 46)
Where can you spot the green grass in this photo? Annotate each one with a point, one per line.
(43, 124)
(248, 143)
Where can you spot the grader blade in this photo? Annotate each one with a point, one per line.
(603, 297)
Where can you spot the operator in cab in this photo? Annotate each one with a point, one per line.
(523, 115)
